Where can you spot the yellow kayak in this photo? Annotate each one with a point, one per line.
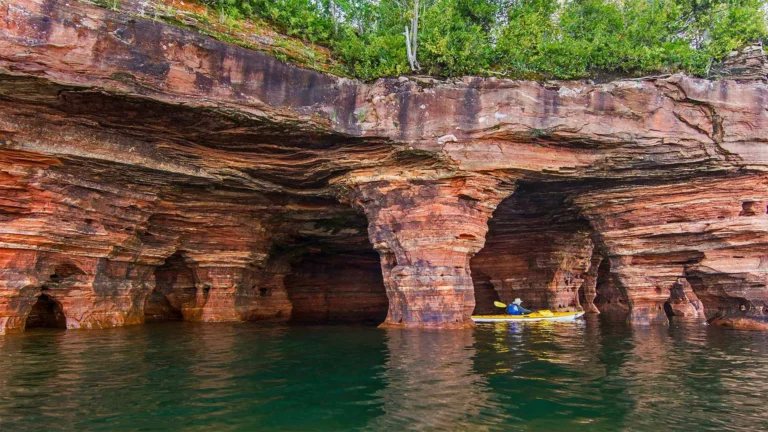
(542, 315)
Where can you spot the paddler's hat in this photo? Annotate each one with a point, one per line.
(517, 301)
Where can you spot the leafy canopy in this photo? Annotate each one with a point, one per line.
(518, 38)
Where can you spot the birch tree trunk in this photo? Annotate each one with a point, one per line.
(411, 38)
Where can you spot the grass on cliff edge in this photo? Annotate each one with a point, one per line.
(528, 39)
(250, 32)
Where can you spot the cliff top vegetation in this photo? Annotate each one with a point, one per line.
(525, 39)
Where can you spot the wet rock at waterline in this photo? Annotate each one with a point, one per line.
(150, 172)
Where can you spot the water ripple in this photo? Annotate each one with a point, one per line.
(590, 376)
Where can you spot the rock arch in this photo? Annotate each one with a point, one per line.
(610, 296)
(683, 302)
(174, 289)
(537, 248)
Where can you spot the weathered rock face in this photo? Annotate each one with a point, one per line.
(610, 298)
(537, 249)
(426, 230)
(150, 172)
(698, 239)
(749, 63)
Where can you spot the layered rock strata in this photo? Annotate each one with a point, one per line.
(426, 229)
(150, 172)
(694, 242)
(537, 249)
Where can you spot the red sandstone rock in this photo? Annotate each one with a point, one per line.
(693, 231)
(149, 170)
(426, 231)
(683, 301)
(741, 323)
(536, 250)
(588, 289)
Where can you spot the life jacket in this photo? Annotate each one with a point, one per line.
(514, 309)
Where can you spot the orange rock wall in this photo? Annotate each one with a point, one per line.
(426, 232)
(537, 249)
(696, 233)
(337, 288)
(150, 171)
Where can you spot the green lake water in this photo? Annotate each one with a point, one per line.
(589, 375)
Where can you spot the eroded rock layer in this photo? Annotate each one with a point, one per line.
(337, 288)
(150, 172)
(537, 249)
(698, 239)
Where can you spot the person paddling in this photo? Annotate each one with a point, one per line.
(516, 309)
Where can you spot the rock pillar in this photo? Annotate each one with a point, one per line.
(683, 301)
(588, 289)
(646, 287)
(426, 229)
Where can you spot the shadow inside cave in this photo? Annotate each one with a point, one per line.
(46, 313)
(337, 286)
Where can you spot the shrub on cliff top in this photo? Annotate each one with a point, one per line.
(518, 38)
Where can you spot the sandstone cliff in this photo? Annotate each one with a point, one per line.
(150, 172)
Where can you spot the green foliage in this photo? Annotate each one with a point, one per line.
(109, 4)
(455, 37)
(518, 38)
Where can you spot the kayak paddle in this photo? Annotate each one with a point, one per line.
(499, 304)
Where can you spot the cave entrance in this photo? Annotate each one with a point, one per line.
(337, 287)
(537, 248)
(610, 300)
(157, 307)
(668, 309)
(46, 313)
(174, 287)
(333, 274)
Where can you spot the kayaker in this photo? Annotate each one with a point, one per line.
(516, 309)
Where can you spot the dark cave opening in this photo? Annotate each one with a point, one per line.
(328, 271)
(174, 286)
(485, 294)
(337, 287)
(603, 287)
(538, 248)
(610, 300)
(46, 313)
(668, 309)
(157, 307)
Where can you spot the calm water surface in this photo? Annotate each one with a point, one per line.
(591, 376)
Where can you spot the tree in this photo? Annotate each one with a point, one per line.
(531, 39)
(415, 8)
(412, 38)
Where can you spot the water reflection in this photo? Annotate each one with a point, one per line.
(594, 375)
(431, 382)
